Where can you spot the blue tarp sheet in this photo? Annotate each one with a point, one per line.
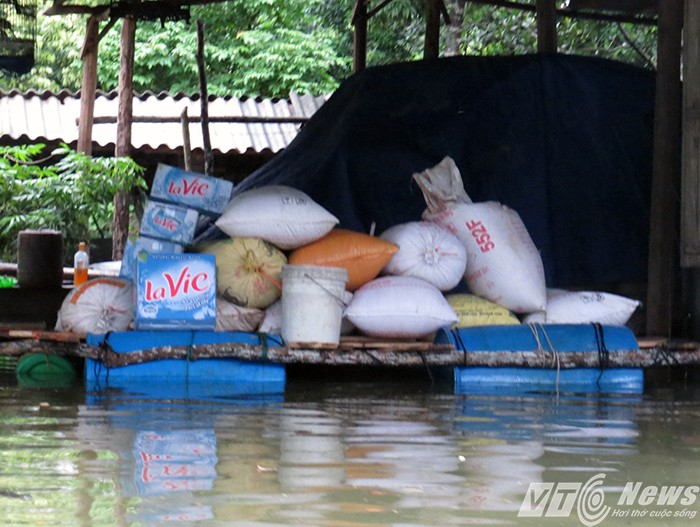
(566, 141)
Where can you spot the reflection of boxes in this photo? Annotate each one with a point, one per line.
(174, 460)
(176, 291)
(168, 222)
(197, 191)
(147, 245)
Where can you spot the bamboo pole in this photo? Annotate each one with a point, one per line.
(206, 141)
(186, 144)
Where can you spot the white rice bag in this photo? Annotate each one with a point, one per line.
(428, 251)
(585, 307)
(399, 307)
(281, 215)
(98, 306)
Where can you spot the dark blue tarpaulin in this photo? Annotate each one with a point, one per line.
(566, 141)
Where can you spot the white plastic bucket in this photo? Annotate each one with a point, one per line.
(312, 305)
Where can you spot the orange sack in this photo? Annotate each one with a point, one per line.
(362, 255)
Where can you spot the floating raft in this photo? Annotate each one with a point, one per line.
(479, 346)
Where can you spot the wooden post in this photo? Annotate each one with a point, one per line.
(453, 40)
(186, 143)
(690, 193)
(546, 26)
(89, 85)
(359, 19)
(664, 269)
(120, 222)
(431, 48)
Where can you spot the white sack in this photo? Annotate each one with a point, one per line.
(503, 263)
(98, 306)
(428, 251)
(585, 307)
(232, 317)
(281, 215)
(399, 307)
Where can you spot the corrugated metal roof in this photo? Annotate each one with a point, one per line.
(236, 124)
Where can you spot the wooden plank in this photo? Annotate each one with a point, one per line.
(50, 336)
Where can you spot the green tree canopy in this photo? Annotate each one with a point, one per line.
(271, 47)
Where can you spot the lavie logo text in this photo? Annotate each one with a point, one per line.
(193, 188)
(182, 285)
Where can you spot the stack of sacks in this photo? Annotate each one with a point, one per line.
(263, 224)
(420, 259)
(504, 269)
(503, 263)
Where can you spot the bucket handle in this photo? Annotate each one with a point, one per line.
(339, 300)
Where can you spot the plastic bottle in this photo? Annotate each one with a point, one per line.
(81, 260)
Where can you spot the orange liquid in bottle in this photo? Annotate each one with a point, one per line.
(80, 276)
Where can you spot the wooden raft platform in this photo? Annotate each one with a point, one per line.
(354, 350)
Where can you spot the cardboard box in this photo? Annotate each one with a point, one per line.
(140, 245)
(206, 194)
(176, 291)
(168, 222)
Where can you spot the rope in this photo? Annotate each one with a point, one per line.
(104, 349)
(664, 355)
(427, 368)
(536, 327)
(262, 338)
(603, 353)
(336, 298)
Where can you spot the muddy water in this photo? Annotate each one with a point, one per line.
(348, 454)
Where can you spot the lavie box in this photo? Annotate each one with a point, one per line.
(176, 291)
(206, 194)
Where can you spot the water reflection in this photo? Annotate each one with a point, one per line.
(326, 454)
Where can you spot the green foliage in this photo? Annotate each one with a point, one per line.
(499, 31)
(57, 54)
(73, 195)
(267, 49)
(271, 47)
